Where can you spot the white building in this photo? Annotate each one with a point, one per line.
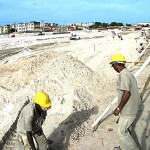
(1, 30)
(144, 23)
(31, 26)
(6, 29)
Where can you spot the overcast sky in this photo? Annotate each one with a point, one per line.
(74, 11)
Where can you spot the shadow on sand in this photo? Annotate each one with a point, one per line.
(145, 135)
(72, 127)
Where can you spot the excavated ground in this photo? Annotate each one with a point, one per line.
(78, 78)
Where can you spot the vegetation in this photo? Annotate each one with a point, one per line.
(128, 24)
(105, 25)
(116, 24)
(11, 30)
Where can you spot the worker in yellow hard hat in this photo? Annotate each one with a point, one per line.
(128, 102)
(29, 126)
(118, 58)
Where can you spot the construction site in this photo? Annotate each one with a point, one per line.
(80, 82)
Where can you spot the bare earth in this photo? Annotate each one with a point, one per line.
(77, 76)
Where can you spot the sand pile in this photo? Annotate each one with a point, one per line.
(71, 84)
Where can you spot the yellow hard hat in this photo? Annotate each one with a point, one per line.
(118, 58)
(42, 99)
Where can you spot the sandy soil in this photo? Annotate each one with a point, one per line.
(77, 76)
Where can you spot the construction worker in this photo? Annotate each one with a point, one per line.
(29, 126)
(128, 103)
(113, 34)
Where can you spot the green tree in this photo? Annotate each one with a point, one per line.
(11, 30)
(105, 25)
(116, 24)
(128, 24)
(113, 24)
(147, 25)
(120, 24)
(98, 24)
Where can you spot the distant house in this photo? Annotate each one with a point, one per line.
(113, 27)
(21, 27)
(60, 29)
(71, 28)
(1, 30)
(6, 29)
(49, 27)
(144, 24)
(31, 26)
(139, 27)
(131, 28)
(49, 24)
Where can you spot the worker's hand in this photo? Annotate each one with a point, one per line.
(116, 112)
(40, 132)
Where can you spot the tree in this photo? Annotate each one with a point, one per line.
(11, 30)
(98, 24)
(105, 25)
(116, 24)
(128, 24)
(113, 24)
(147, 25)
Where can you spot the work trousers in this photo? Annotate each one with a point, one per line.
(40, 141)
(124, 130)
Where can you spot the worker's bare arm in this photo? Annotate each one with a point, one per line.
(125, 98)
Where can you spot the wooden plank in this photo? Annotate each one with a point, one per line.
(136, 62)
(145, 86)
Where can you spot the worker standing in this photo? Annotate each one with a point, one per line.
(29, 126)
(128, 102)
(113, 34)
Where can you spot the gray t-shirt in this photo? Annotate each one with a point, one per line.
(30, 119)
(126, 81)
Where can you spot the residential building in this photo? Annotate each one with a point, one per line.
(21, 27)
(49, 27)
(71, 28)
(31, 26)
(1, 30)
(6, 28)
(144, 23)
(60, 29)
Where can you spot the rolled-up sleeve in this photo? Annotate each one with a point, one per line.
(125, 82)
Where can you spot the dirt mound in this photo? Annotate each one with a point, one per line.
(72, 86)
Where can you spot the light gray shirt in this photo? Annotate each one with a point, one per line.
(126, 81)
(30, 119)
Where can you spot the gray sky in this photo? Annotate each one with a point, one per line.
(74, 11)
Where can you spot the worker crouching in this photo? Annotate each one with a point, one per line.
(29, 126)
